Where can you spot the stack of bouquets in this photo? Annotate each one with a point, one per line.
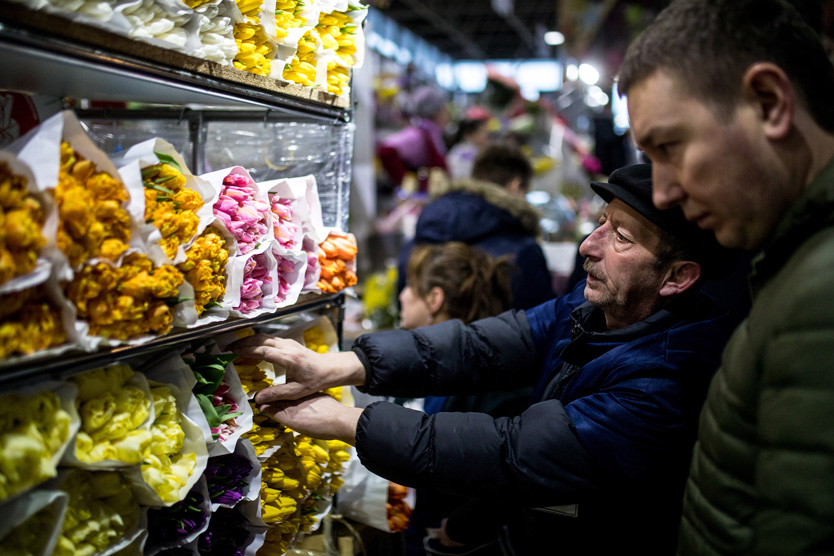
(254, 36)
(36, 428)
(221, 397)
(117, 293)
(283, 489)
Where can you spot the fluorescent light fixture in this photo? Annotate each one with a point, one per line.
(554, 38)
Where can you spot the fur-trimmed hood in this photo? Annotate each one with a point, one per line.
(517, 207)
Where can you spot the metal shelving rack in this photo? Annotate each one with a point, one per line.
(39, 56)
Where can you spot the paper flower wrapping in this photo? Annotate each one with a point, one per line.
(243, 215)
(91, 220)
(112, 412)
(101, 511)
(126, 301)
(170, 206)
(29, 322)
(165, 468)
(34, 430)
(205, 269)
(21, 221)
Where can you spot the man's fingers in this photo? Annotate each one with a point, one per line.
(279, 392)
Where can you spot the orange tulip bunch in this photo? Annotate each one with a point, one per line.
(334, 254)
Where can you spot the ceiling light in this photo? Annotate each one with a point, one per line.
(554, 38)
(572, 72)
(588, 74)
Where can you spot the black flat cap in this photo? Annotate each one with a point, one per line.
(633, 186)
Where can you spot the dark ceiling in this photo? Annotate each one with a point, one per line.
(473, 29)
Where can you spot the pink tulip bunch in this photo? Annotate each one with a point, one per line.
(244, 216)
(285, 266)
(285, 229)
(255, 277)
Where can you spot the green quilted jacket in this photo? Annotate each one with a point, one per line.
(762, 475)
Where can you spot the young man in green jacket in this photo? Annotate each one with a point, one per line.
(732, 101)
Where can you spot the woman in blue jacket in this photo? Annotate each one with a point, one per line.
(596, 463)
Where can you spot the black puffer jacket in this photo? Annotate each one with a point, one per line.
(614, 438)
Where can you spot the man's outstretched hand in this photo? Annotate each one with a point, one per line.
(317, 416)
(308, 372)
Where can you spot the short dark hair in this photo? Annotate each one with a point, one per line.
(709, 44)
(501, 164)
(475, 285)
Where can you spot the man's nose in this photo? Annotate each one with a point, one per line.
(590, 247)
(666, 192)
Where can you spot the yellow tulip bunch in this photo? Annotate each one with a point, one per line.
(33, 429)
(302, 68)
(21, 221)
(338, 33)
(278, 538)
(126, 301)
(91, 220)
(252, 41)
(111, 413)
(252, 377)
(164, 467)
(263, 437)
(288, 16)
(29, 322)
(282, 490)
(170, 206)
(101, 511)
(205, 269)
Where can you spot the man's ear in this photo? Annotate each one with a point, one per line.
(770, 88)
(681, 276)
(514, 186)
(435, 299)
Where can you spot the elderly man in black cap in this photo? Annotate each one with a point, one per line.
(621, 364)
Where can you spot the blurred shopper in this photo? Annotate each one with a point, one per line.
(419, 147)
(471, 137)
(732, 100)
(597, 463)
(489, 211)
